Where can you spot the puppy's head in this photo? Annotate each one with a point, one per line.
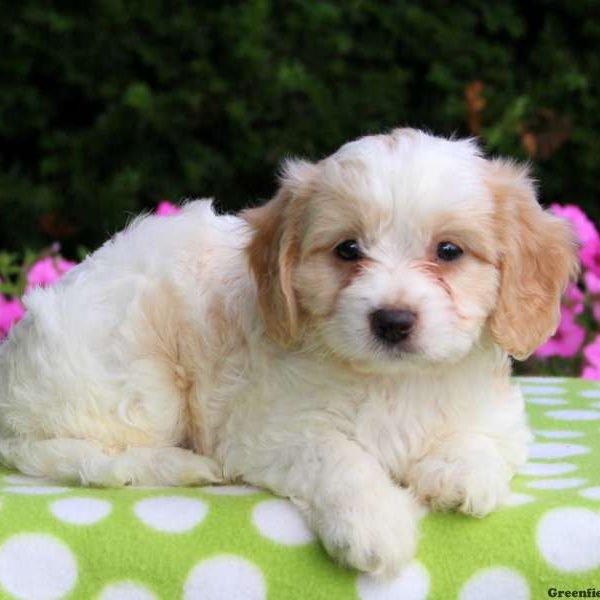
(405, 248)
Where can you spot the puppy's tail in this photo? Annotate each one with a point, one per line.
(83, 462)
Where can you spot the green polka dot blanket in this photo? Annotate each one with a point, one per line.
(236, 542)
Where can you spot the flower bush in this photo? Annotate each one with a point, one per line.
(575, 347)
(19, 275)
(573, 350)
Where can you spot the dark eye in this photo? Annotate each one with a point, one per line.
(349, 250)
(448, 251)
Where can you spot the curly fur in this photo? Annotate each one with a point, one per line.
(201, 348)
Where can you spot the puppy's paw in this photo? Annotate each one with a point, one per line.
(376, 533)
(473, 488)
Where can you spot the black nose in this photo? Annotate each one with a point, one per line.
(392, 326)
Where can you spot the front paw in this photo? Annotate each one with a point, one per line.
(474, 489)
(376, 533)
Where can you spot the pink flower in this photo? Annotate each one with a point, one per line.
(590, 256)
(591, 373)
(592, 282)
(10, 312)
(592, 355)
(573, 299)
(586, 232)
(46, 271)
(592, 352)
(166, 209)
(584, 228)
(567, 340)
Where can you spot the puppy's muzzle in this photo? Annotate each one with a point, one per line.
(392, 326)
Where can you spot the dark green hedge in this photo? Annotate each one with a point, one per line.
(109, 105)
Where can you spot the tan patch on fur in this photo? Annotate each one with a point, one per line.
(171, 342)
(161, 311)
(539, 256)
(274, 250)
(219, 323)
(271, 260)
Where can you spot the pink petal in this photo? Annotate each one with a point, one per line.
(592, 282)
(596, 311)
(590, 256)
(592, 352)
(63, 265)
(10, 312)
(591, 373)
(42, 272)
(574, 298)
(584, 228)
(47, 271)
(550, 348)
(565, 347)
(573, 293)
(567, 340)
(165, 209)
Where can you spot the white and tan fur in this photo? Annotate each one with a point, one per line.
(200, 348)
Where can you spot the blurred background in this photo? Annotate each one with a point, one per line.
(108, 107)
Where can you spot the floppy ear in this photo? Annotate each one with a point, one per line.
(538, 256)
(274, 248)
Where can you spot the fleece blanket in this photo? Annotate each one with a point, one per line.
(230, 543)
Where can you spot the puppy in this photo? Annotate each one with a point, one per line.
(345, 345)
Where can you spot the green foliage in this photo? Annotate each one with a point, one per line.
(13, 271)
(107, 106)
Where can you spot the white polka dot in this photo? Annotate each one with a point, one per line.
(80, 511)
(547, 379)
(596, 405)
(517, 499)
(231, 490)
(556, 484)
(223, 578)
(31, 490)
(590, 393)
(126, 590)
(559, 435)
(592, 493)
(280, 521)
(26, 480)
(546, 469)
(37, 566)
(411, 584)
(574, 415)
(496, 583)
(569, 539)
(544, 401)
(172, 514)
(542, 389)
(556, 450)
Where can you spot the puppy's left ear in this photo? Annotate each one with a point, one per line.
(538, 256)
(274, 248)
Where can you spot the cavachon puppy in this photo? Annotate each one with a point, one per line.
(345, 345)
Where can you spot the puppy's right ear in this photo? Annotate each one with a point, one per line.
(274, 248)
